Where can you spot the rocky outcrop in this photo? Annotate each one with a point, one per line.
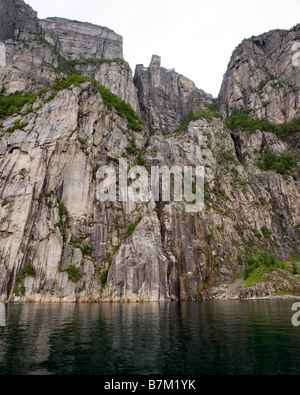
(166, 97)
(78, 41)
(276, 284)
(115, 75)
(35, 52)
(264, 75)
(27, 65)
(15, 18)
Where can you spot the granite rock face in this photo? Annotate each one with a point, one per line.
(52, 220)
(60, 243)
(15, 17)
(277, 281)
(166, 97)
(85, 250)
(264, 75)
(78, 41)
(34, 52)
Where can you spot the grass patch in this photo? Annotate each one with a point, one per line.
(295, 269)
(123, 109)
(140, 161)
(241, 120)
(19, 290)
(65, 83)
(18, 125)
(13, 103)
(263, 262)
(131, 227)
(64, 219)
(95, 169)
(208, 114)
(103, 278)
(80, 243)
(112, 159)
(226, 157)
(74, 274)
(256, 276)
(266, 233)
(86, 249)
(131, 150)
(285, 293)
(283, 164)
(95, 61)
(83, 143)
(28, 271)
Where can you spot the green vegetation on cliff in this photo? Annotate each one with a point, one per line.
(263, 262)
(123, 109)
(65, 83)
(14, 102)
(28, 271)
(208, 114)
(241, 120)
(95, 61)
(74, 274)
(283, 164)
(258, 267)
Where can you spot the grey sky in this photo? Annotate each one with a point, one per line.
(193, 36)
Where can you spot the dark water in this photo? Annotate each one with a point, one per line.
(219, 337)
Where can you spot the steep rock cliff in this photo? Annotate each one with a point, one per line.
(15, 17)
(35, 52)
(77, 40)
(51, 218)
(85, 250)
(264, 75)
(58, 242)
(166, 97)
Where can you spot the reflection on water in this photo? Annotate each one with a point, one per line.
(2, 315)
(218, 337)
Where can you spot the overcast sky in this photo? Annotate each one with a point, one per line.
(195, 37)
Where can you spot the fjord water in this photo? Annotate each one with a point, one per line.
(213, 337)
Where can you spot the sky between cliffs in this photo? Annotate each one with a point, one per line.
(195, 37)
